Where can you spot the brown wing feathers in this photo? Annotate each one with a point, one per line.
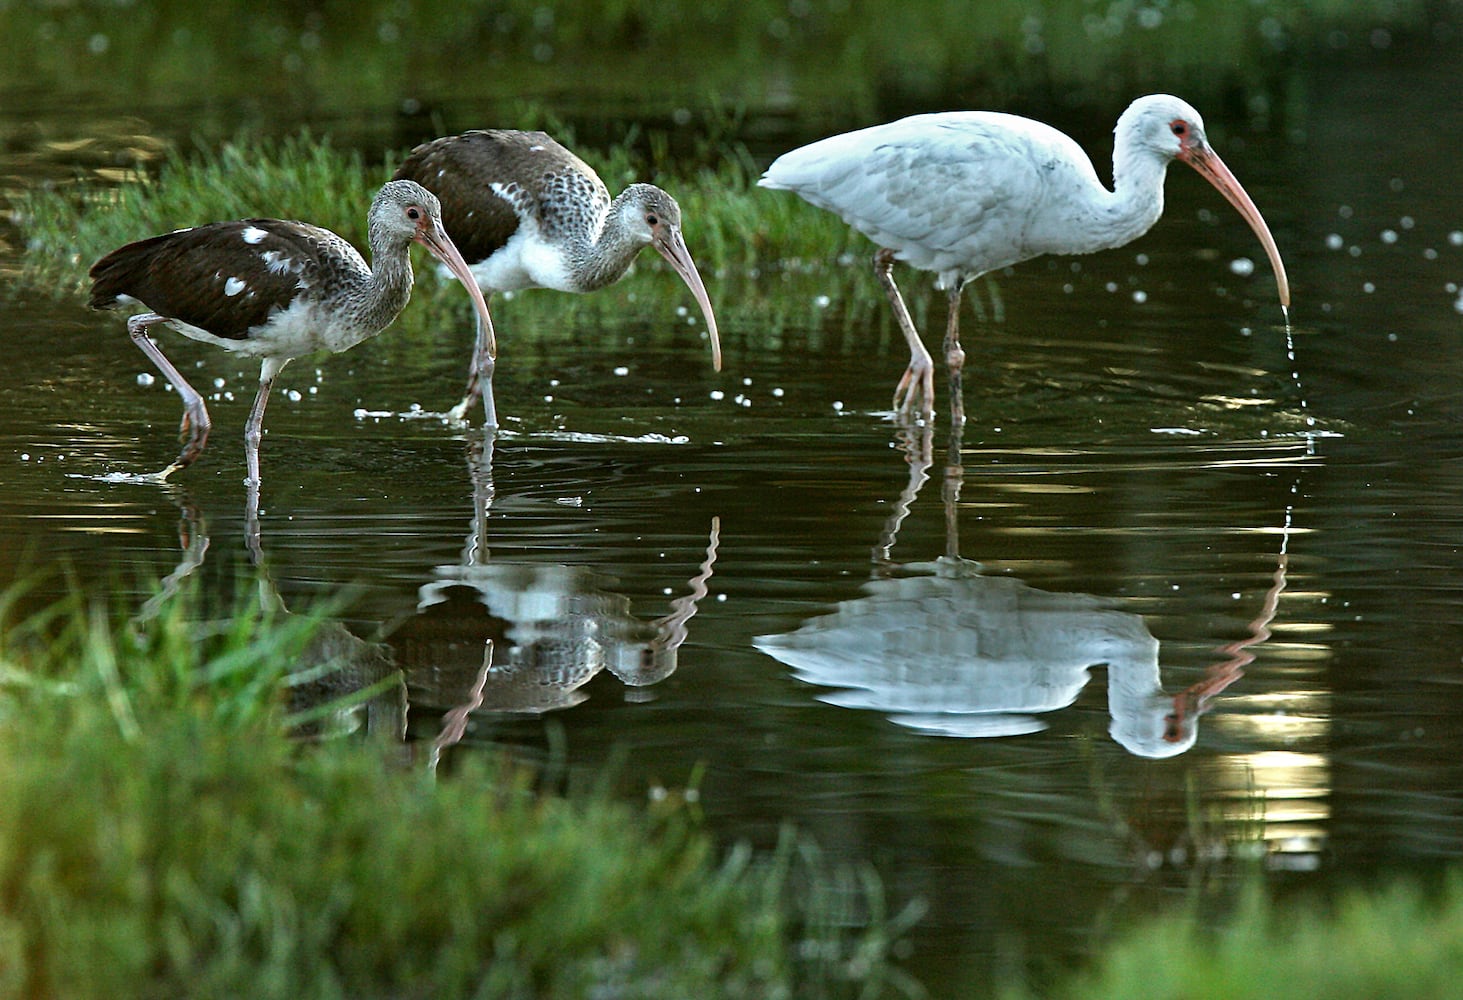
(460, 170)
(225, 277)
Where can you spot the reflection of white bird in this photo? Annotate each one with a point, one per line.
(947, 651)
(964, 193)
(955, 653)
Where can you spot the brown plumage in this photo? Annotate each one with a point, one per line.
(271, 289)
(527, 213)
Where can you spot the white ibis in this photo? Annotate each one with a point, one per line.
(274, 290)
(530, 214)
(967, 192)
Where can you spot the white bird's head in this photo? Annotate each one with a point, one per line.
(1170, 129)
(1164, 124)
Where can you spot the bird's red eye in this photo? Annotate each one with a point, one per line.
(1179, 127)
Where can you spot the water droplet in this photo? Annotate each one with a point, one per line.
(146, 379)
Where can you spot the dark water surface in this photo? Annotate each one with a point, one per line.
(743, 570)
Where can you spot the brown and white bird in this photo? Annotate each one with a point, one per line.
(273, 290)
(967, 192)
(528, 213)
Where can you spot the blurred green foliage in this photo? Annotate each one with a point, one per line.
(161, 834)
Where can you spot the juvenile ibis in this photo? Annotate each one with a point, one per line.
(528, 213)
(967, 192)
(273, 290)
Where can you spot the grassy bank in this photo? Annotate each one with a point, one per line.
(1400, 941)
(734, 230)
(731, 225)
(161, 834)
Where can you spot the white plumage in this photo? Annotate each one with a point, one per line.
(964, 193)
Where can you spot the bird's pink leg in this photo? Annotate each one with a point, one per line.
(955, 356)
(916, 389)
(254, 428)
(195, 425)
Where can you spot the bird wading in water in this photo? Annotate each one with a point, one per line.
(528, 213)
(967, 192)
(273, 290)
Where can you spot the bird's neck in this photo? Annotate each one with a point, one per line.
(602, 253)
(1136, 200)
(385, 292)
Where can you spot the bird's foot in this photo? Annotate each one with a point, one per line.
(457, 416)
(194, 435)
(914, 397)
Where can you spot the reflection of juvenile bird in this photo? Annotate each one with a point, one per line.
(965, 193)
(528, 213)
(533, 634)
(274, 290)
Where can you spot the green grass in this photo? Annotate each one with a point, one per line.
(162, 835)
(731, 225)
(736, 231)
(1391, 942)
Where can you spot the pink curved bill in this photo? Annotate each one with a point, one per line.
(1212, 168)
(436, 240)
(672, 247)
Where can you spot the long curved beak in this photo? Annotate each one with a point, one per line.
(668, 240)
(1212, 168)
(431, 235)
